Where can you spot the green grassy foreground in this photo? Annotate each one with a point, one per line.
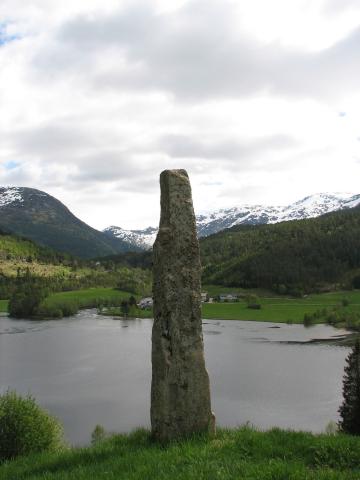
(233, 454)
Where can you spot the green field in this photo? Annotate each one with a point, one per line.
(86, 297)
(273, 309)
(3, 305)
(68, 303)
(244, 454)
(280, 309)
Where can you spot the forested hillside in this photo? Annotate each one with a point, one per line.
(16, 251)
(22, 260)
(289, 257)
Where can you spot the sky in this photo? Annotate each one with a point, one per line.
(259, 100)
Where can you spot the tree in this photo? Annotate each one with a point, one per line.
(350, 408)
(25, 299)
(132, 301)
(124, 308)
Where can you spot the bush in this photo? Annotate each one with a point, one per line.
(26, 428)
(308, 320)
(350, 409)
(254, 306)
(98, 434)
(253, 302)
(26, 299)
(356, 282)
(345, 302)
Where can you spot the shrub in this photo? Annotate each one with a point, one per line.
(308, 320)
(356, 282)
(26, 428)
(332, 428)
(254, 306)
(98, 434)
(253, 302)
(345, 302)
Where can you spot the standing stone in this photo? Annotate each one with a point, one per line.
(180, 389)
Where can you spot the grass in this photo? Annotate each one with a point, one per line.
(3, 305)
(10, 268)
(87, 296)
(273, 309)
(233, 454)
(280, 309)
(68, 303)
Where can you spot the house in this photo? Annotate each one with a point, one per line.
(228, 297)
(146, 302)
(204, 297)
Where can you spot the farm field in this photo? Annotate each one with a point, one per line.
(69, 303)
(273, 309)
(281, 309)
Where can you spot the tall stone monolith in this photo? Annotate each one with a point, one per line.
(180, 389)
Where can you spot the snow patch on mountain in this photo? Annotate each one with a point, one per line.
(138, 238)
(213, 222)
(10, 195)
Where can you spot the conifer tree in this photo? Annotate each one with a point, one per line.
(350, 408)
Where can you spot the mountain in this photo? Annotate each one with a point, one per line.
(290, 257)
(42, 218)
(213, 222)
(141, 239)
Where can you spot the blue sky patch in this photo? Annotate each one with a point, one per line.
(4, 36)
(11, 165)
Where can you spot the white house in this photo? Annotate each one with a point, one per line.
(146, 302)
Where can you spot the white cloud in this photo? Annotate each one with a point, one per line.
(98, 97)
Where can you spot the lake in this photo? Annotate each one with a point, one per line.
(91, 369)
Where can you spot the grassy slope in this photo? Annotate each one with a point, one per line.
(233, 454)
(14, 252)
(17, 247)
(10, 267)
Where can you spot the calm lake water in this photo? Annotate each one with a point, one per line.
(90, 369)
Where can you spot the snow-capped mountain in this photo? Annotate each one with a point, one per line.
(10, 195)
(143, 239)
(213, 222)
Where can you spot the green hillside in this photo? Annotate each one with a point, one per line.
(20, 257)
(18, 254)
(289, 257)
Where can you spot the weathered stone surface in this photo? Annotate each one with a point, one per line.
(180, 390)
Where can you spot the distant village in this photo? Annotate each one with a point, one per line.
(147, 302)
